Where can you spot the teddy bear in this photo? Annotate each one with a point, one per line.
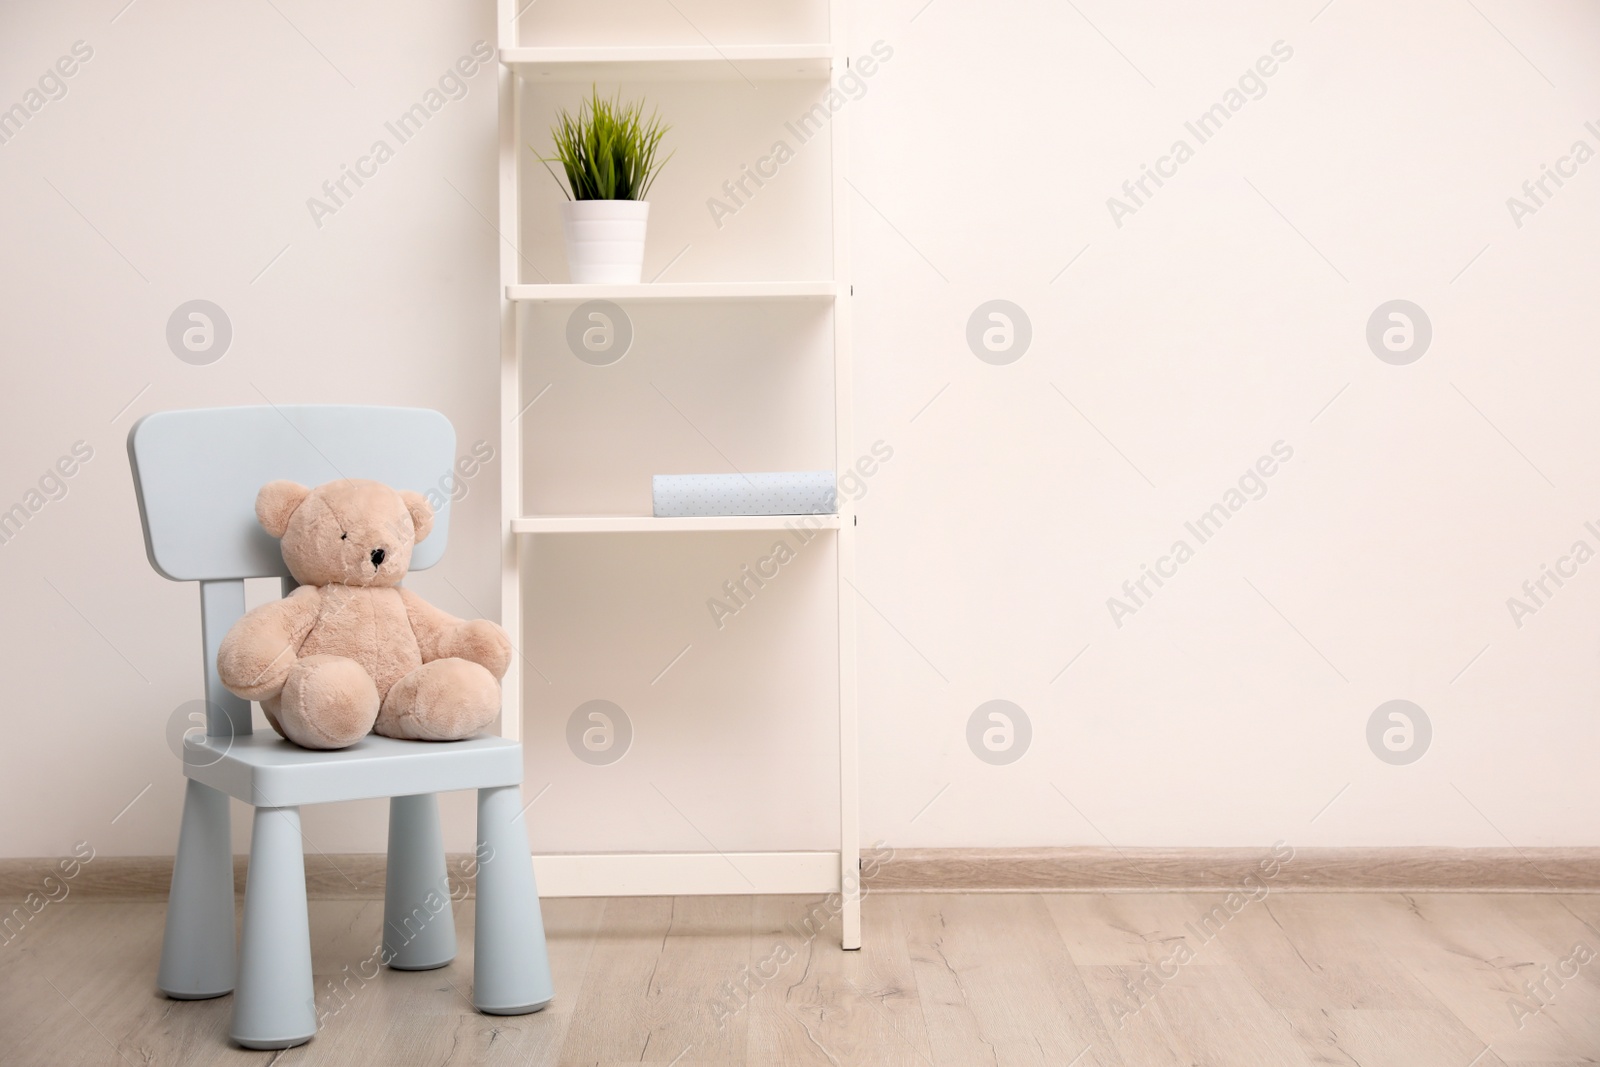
(351, 652)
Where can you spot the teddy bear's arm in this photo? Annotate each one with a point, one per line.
(441, 635)
(255, 656)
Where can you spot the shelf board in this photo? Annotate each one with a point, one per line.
(741, 62)
(673, 292)
(533, 524)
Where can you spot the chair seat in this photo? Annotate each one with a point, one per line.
(265, 770)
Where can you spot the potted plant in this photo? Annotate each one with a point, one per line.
(608, 152)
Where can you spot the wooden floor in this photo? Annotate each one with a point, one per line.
(1036, 979)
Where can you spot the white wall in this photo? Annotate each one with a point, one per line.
(1227, 313)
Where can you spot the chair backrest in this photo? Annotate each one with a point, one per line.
(196, 474)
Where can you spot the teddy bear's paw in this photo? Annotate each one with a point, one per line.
(327, 702)
(254, 666)
(482, 642)
(445, 700)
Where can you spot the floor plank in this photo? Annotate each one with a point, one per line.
(1201, 1014)
(828, 1006)
(1132, 929)
(1302, 955)
(1381, 1038)
(997, 987)
(647, 994)
(1477, 955)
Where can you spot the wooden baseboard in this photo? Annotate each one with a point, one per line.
(1166, 870)
(359, 876)
(347, 876)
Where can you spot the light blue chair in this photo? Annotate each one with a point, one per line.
(196, 474)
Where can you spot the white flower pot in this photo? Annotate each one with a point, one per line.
(605, 240)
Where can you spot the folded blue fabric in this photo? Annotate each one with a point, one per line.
(775, 493)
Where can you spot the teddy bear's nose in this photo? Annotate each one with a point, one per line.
(377, 557)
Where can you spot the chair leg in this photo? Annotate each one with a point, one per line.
(511, 969)
(197, 946)
(274, 1005)
(419, 930)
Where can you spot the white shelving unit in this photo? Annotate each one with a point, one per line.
(634, 874)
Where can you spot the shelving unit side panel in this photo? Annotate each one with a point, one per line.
(511, 502)
(844, 445)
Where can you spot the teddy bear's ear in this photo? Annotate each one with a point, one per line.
(421, 512)
(276, 502)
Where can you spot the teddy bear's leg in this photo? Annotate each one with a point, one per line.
(269, 708)
(445, 700)
(327, 702)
